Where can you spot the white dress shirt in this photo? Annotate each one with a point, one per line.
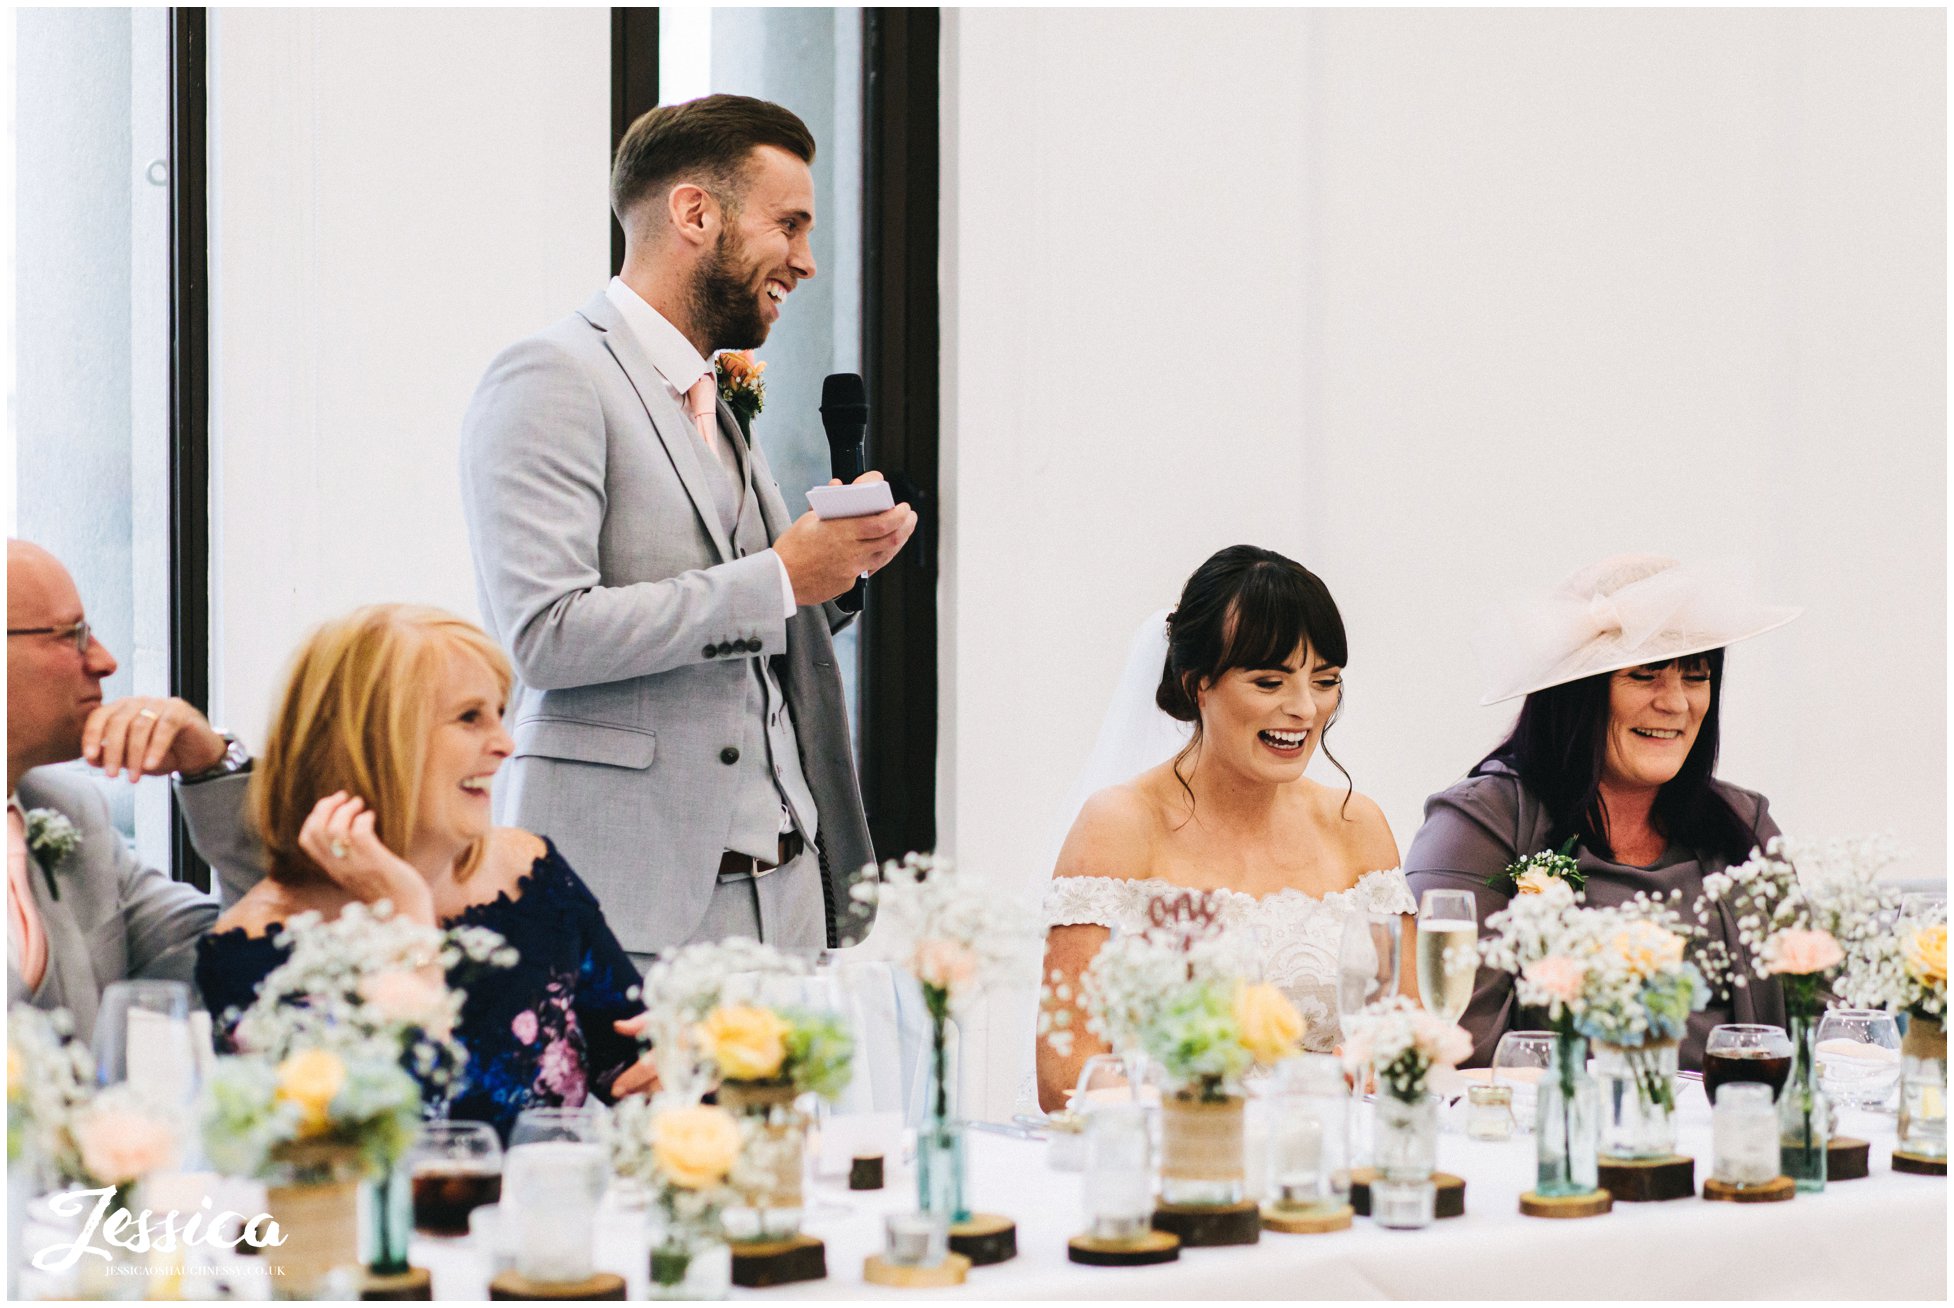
(679, 365)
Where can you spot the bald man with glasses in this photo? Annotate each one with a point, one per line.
(82, 911)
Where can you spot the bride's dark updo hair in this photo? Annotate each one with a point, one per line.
(1246, 607)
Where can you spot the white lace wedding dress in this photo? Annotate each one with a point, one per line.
(1297, 936)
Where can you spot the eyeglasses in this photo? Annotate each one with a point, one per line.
(79, 633)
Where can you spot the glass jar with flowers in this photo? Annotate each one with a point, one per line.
(687, 1156)
(1404, 1043)
(1817, 918)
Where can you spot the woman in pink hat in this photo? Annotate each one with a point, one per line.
(1615, 750)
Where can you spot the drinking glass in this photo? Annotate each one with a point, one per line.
(1858, 1057)
(1923, 907)
(142, 1034)
(1367, 961)
(1448, 959)
(536, 1125)
(1519, 1060)
(453, 1169)
(553, 1187)
(1746, 1051)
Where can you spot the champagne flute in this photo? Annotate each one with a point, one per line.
(1367, 961)
(1448, 959)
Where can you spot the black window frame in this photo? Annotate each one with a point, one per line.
(189, 673)
(896, 682)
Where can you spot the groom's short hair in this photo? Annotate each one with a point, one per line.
(707, 141)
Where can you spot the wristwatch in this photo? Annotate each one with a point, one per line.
(236, 759)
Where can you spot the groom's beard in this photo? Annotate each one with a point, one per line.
(725, 303)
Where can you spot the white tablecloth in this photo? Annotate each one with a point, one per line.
(1884, 1237)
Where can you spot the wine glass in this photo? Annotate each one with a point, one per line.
(1367, 961)
(1858, 1056)
(143, 1035)
(1448, 959)
(453, 1169)
(1923, 907)
(1520, 1060)
(584, 1122)
(1746, 1051)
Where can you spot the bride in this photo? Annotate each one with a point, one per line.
(1254, 657)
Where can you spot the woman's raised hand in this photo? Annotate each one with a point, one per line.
(338, 836)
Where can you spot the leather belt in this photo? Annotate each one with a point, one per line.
(734, 866)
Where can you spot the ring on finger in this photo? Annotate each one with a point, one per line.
(337, 849)
(151, 714)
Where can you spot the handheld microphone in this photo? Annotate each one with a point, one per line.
(844, 416)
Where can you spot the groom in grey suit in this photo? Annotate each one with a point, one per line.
(680, 728)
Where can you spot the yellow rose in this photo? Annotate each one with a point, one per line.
(311, 1080)
(1926, 955)
(1271, 1027)
(1646, 948)
(695, 1147)
(1532, 882)
(748, 1043)
(16, 1078)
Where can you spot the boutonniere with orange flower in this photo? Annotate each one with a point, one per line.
(742, 386)
(1537, 872)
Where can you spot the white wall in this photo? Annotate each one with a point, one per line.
(1439, 303)
(395, 196)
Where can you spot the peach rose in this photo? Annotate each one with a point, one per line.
(311, 1080)
(1926, 955)
(1271, 1028)
(1532, 882)
(1799, 952)
(748, 1043)
(120, 1144)
(1647, 948)
(944, 964)
(1558, 975)
(410, 998)
(695, 1147)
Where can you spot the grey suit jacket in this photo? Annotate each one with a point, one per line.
(603, 569)
(115, 919)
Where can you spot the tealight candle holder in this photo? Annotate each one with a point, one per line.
(1744, 1129)
(1489, 1112)
(1404, 1205)
(558, 1184)
(916, 1239)
(1309, 1134)
(1119, 1171)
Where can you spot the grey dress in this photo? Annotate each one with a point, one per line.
(1475, 829)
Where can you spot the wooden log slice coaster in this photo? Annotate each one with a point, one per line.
(877, 1270)
(412, 1284)
(1918, 1164)
(1569, 1205)
(604, 1286)
(1202, 1226)
(986, 1239)
(765, 1263)
(1451, 1201)
(1771, 1192)
(1142, 1251)
(1305, 1221)
(1847, 1159)
(1648, 1180)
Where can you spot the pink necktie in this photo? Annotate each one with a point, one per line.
(24, 928)
(702, 403)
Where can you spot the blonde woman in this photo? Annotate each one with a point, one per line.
(375, 785)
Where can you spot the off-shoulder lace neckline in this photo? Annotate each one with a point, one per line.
(1276, 896)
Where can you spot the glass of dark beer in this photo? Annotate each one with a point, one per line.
(453, 1169)
(1743, 1051)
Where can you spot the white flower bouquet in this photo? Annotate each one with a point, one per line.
(110, 1137)
(370, 980)
(714, 1017)
(1405, 1043)
(1187, 1004)
(1816, 916)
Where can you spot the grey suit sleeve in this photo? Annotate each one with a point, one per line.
(162, 919)
(219, 820)
(533, 452)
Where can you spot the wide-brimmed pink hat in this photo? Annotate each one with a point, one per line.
(1619, 613)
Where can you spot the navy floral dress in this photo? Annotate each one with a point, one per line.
(538, 1034)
